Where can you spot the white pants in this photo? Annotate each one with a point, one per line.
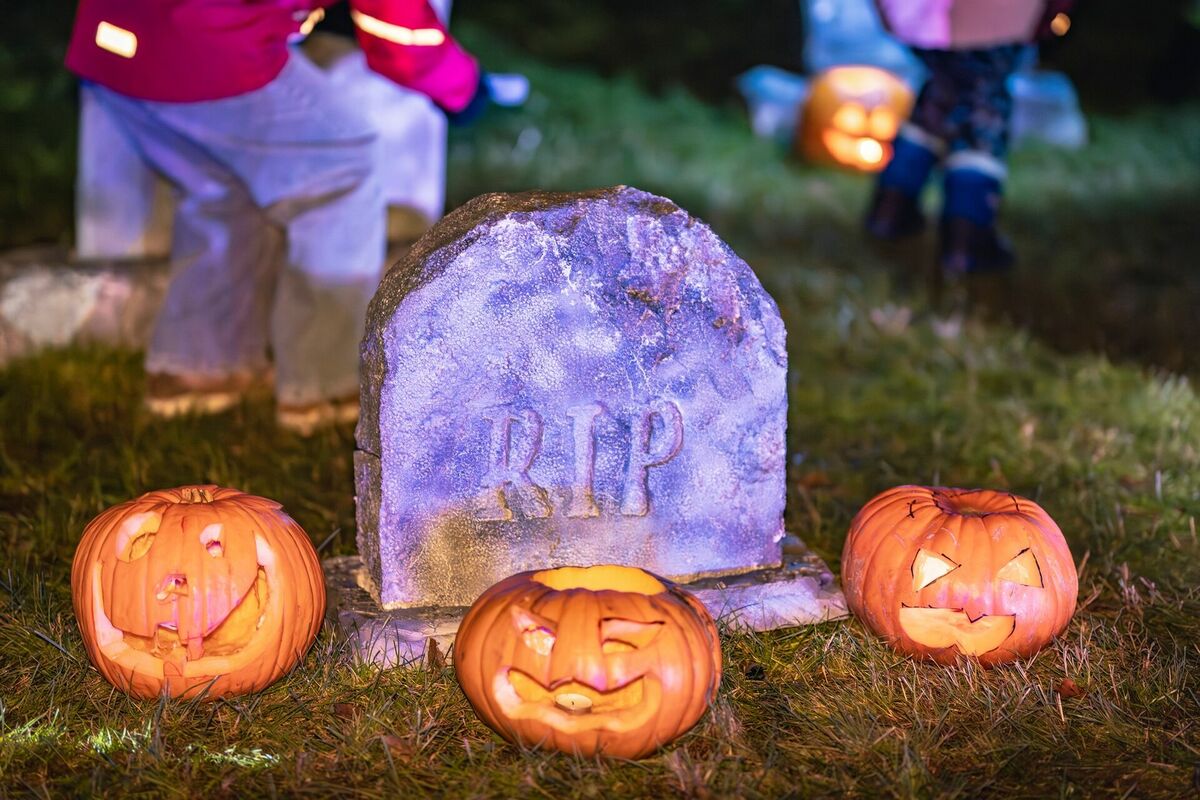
(279, 234)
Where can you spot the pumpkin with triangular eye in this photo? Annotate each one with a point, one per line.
(196, 589)
(942, 573)
(603, 660)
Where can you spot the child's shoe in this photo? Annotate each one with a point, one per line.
(893, 214)
(967, 247)
(306, 419)
(168, 395)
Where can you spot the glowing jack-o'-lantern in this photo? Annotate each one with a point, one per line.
(593, 660)
(947, 572)
(852, 116)
(196, 589)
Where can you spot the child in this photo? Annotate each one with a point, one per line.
(960, 120)
(258, 141)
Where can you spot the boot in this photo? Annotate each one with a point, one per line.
(969, 241)
(895, 211)
(968, 247)
(893, 215)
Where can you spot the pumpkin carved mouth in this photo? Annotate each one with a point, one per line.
(863, 151)
(166, 650)
(946, 627)
(570, 706)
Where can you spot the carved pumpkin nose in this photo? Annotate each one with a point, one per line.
(172, 586)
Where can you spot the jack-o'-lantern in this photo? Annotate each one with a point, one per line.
(196, 589)
(603, 660)
(852, 116)
(944, 572)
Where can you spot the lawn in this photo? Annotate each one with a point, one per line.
(886, 387)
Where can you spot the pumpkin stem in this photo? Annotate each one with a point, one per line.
(195, 494)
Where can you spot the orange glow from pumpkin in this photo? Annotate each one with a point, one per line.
(852, 116)
(883, 124)
(870, 151)
(944, 627)
(860, 153)
(598, 579)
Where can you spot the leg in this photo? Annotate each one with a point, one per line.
(212, 324)
(121, 205)
(335, 258)
(308, 160)
(975, 168)
(920, 144)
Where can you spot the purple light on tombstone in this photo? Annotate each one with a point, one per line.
(555, 379)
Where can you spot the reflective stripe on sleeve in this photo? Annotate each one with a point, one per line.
(116, 40)
(412, 37)
(310, 22)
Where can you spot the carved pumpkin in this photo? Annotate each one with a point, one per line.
(852, 116)
(947, 572)
(199, 585)
(592, 660)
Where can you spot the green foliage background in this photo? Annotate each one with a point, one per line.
(37, 123)
(1119, 53)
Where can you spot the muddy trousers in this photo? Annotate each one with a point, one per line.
(279, 233)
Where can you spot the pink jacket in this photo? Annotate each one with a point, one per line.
(192, 50)
(962, 24)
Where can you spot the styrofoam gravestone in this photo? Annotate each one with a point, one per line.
(557, 379)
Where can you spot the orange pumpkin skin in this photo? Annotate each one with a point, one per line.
(196, 589)
(941, 573)
(852, 116)
(582, 669)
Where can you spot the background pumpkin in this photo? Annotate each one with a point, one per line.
(595, 660)
(852, 116)
(187, 587)
(947, 572)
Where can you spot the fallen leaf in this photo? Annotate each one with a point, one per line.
(347, 710)
(398, 746)
(948, 328)
(891, 320)
(815, 480)
(1068, 688)
(435, 660)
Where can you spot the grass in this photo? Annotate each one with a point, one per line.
(884, 389)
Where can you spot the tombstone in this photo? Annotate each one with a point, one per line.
(1046, 109)
(842, 32)
(774, 98)
(570, 379)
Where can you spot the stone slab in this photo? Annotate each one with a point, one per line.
(554, 378)
(48, 300)
(800, 592)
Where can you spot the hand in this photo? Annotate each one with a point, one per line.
(507, 89)
(475, 108)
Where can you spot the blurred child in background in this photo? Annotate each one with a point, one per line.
(257, 140)
(970, 48)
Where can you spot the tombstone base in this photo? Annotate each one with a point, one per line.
(801, 592)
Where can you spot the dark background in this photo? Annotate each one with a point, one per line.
(1122, 54)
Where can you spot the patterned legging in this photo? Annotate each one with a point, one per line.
(965, 102)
